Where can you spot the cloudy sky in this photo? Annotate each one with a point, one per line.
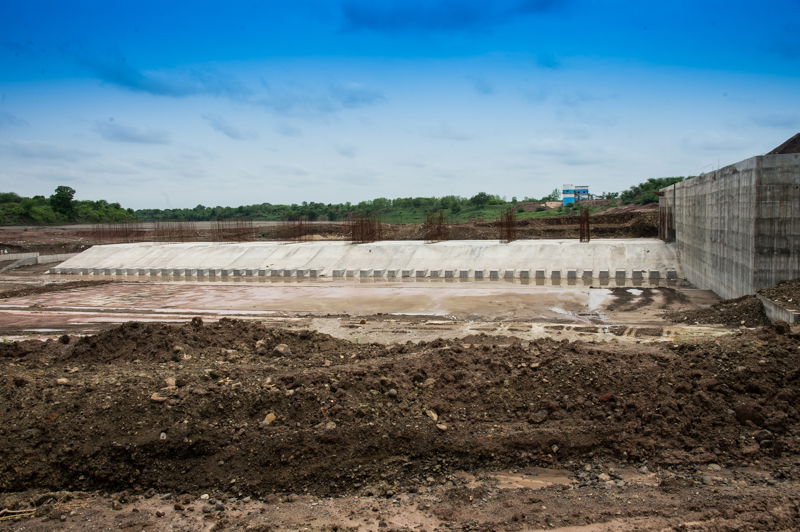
(171, 104)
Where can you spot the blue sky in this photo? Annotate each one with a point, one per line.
(172, 104)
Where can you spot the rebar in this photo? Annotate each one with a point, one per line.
(584, 225)
(365, 228)
(508, 225)
(435, 227)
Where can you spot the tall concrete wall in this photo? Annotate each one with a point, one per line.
(738, 229)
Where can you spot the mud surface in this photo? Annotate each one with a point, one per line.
(20, 290)
(744, 311)
(237, 409)
(785, 294)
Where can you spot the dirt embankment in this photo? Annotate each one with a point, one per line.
(235, 407)
(746, 310)
(623, 222)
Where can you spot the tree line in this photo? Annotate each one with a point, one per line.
(61, 207)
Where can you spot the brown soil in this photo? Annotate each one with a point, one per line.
(188, 408)
(631, 221)
(17, 290)
(747, 311)
(785, 294)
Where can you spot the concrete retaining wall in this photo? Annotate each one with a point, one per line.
(479, 259)
(17, 256)
(777, 313)
(737, 229)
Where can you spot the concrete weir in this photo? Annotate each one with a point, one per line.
(476, 259)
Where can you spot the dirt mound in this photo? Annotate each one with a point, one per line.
(785, 294)
(163, 342)
(745, 310)
(126, 410)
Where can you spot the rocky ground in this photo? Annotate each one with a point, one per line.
(234, 425)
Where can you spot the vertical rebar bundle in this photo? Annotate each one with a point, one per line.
(508, 225)
(236, 230)
(365, 228)
(435, 227)
(584, 225)
(115, 233)
(294, 230)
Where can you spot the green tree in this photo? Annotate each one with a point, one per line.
(61, 201)
(553, 196)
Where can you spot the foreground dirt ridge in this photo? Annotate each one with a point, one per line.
(236, 409)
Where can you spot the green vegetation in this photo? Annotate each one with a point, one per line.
(647, 192)
(399, 210)
(59, 208)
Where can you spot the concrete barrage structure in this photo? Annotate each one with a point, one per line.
(737, 229)
(642, 259)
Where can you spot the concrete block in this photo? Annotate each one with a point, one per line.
(637, 274)
(276, 272)
(603, 274)
(435, 274)
(620, 274)
(463, 274)
(141, 271)
(572, 274)
(301, 273)
(449, 274)
(407, 273)
(164, 272)
(109, 271)
(494, 274)
(152, 272)
(378, 274)
(654, 274)
(509, 274)
(237, 272)
(392, 274)
(289, 273)
(776, 312)
(338, 273)
(177, 272)
(313, 272)
(130, 271)
(350, 273)
(191, 272)
(364, 274)
(524, 274)
(587, 274)
(479, 275)
(420, 273)
(540, 274)
(555, 274)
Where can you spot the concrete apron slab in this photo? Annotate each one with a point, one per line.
(636, 259)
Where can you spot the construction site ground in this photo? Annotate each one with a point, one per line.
(419, 405)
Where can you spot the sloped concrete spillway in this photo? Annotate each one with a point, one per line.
(464, 259)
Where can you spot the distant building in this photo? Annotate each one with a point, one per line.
(574, 193)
